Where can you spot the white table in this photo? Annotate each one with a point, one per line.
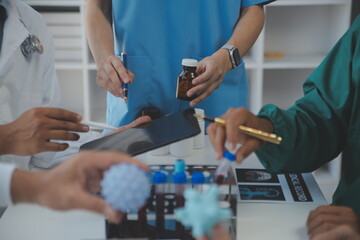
(254, 221)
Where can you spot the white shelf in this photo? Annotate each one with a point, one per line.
(291, 61)
(68, 65)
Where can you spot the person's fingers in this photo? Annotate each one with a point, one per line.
(103, 80)
(325, 227)
(131, 75)
(249, 146)
(61, 114)
(320, 220)
(324, 217)
(335, 210)
(220, 233)
(94, 177)
(112, 215)
(54, 124)
(211, 131)
(136, 122)
(104, 160)
(120, 69)
(53, 147)
(233, 119)
(205, 74)
(87, 201)
(115, 79)
(342, 232)
(139, 121)
(203, 94)
(220, 138)
(201, 87)
(59, 135)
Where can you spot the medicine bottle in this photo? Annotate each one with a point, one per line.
(185, 78)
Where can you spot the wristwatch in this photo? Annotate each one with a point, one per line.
(234, 55)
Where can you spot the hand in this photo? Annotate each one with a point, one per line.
(230, 133)
(218, 234)
(69, 185)
(112, 74)
(32, 131)
(343, 232)
(211, 72)
(326, 218)
(136, 122)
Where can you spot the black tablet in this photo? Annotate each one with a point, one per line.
(146, 137)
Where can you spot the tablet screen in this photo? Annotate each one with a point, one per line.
(146, 137)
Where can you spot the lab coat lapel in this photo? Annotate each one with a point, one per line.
(14, 34)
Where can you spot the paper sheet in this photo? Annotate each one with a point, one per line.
(257, 185)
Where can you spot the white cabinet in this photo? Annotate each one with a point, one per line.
(303, 31)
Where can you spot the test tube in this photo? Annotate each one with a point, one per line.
(159, 180)
(224, 166)
(180, 181)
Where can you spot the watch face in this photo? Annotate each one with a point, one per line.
(236, 57)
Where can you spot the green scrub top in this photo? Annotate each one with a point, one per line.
(323, 123)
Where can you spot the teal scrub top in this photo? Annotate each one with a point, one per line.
(323, 123)
(157, 35)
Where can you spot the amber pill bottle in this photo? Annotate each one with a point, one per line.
(184, 82)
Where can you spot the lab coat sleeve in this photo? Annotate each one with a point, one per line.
(314, 129)
(6, 171)
(47, 160)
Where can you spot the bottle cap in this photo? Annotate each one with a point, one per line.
(180, 177)
(197, 178)
(228, 155)
(159, 177)
(189, 62)
(179, 165)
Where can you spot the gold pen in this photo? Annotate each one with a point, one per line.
(269, 137)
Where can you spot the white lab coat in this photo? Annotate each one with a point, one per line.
(28, 82)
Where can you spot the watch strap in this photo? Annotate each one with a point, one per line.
(230, 49)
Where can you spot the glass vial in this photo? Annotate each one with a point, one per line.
(185, 78)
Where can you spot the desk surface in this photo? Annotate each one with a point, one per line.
(254, 221)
